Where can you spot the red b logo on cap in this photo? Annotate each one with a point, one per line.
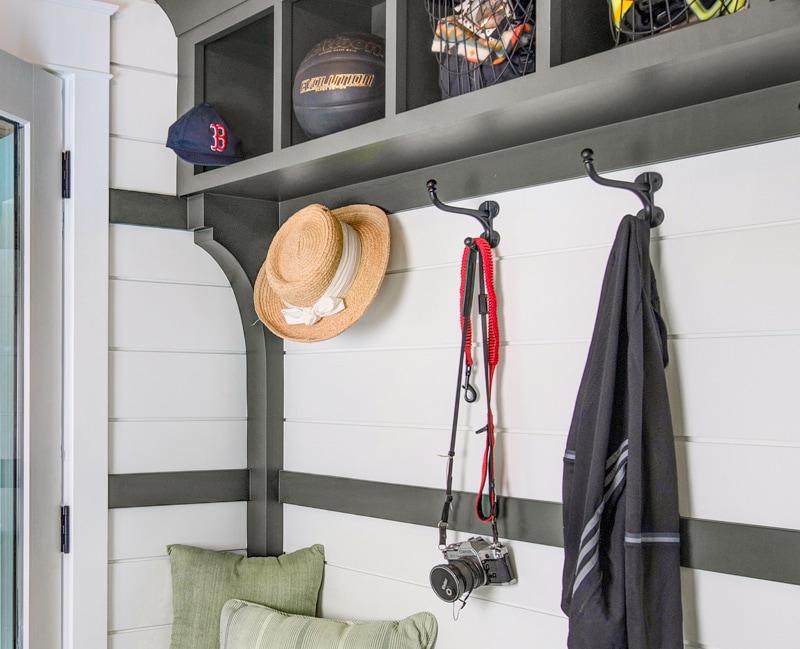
(220, 134)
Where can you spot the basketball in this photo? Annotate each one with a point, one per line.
(340, 84)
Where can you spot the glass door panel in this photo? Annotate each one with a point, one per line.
(10, 271)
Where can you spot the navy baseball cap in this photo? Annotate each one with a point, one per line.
(202, 137)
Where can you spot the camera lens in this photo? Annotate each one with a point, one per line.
(450, 581)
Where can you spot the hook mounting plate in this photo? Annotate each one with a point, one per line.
(652, 178)
(490, 208)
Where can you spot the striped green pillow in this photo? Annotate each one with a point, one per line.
(249, 626)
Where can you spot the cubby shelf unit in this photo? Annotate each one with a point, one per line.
(243, 58)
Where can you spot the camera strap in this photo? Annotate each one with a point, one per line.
(477, 256)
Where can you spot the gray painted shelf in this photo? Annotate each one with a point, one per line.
(571, 91)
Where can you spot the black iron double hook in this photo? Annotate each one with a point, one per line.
(645, 187)
(485, 214)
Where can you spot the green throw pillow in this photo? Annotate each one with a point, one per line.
(249, 626)
(203, 580)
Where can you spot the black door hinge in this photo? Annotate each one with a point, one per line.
(65, 529)
(66, 174)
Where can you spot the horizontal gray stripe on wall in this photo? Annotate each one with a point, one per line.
(536, 521)
(177, 488)
(768, 553)
(140, 208)
(744, 550)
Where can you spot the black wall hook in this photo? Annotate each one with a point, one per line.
(645, 187)
(485, 214)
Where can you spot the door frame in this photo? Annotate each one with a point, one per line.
(86, 326)
(32, 98)
(72, 39)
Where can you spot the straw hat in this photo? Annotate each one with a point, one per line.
(323, 269)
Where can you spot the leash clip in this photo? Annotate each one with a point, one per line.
(470, 395)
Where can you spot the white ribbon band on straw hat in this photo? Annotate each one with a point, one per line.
(331, 301)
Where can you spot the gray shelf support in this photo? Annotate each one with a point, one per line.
(237, 232)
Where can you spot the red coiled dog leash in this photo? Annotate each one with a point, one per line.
(477, 253)
(487, 307)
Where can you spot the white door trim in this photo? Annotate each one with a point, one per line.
(86, 232)
(84, 274)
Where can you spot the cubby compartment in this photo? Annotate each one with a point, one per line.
(483, 43)
(584, 26)
(315, 20)
(238, 81)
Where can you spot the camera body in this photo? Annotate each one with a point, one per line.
(471, 564)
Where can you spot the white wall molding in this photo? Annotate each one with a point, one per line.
(85, 338)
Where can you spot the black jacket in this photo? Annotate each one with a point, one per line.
(621, 582)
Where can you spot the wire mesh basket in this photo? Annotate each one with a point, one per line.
(634, 19)
(479, 43)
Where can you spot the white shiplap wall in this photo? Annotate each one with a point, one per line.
(727, 262)
(728, 267)
(177, 403)
(177, 365)
(158, 320)
(144, 65)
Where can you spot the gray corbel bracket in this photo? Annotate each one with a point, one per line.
(237, 232)
(243, 226)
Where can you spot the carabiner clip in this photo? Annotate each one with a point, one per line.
(470, 395)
